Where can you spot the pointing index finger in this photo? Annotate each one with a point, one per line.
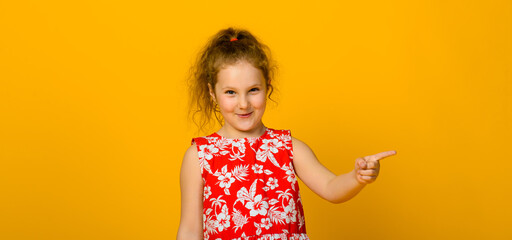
(381, 155)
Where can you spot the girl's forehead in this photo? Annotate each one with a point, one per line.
(239, 74)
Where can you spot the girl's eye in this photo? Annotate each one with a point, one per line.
(230, 92)
(254, 89)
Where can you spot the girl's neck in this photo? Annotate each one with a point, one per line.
(229, 132)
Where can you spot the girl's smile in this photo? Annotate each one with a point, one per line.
(245, 115)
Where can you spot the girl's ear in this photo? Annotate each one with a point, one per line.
(212, 93)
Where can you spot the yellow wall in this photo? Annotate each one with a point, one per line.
(93, 124)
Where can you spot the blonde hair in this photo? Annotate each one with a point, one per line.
(226, 47)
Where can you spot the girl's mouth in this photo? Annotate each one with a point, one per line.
(245, 115)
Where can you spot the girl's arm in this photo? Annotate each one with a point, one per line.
(336, 189)
(191, 184)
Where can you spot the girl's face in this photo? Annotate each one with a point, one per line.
(240, 92)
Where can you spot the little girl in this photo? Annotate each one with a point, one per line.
(240, 182)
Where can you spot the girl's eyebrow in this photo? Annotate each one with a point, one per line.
(255, 85)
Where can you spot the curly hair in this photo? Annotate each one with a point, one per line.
(217, 53)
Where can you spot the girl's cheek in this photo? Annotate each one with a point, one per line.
(227, 104)
(260, 100)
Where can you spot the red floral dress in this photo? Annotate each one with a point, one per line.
(250, 188)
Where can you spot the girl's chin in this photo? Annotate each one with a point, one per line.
(246, 127)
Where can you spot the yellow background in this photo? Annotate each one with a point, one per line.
(93, 113)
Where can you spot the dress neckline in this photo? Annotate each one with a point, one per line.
(245, 138)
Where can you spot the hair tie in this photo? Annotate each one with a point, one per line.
(233, 39)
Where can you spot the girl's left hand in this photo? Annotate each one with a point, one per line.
(367, 168)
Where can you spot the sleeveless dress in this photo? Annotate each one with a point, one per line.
(250, 188)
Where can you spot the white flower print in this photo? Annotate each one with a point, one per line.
(272, 134)
(265, 223)
(241, 197)
(225, 179)
(223, 219)
(239, 144)
(257, 168)
(203, 164)
(224, 144)
(258, 206)
(272, 183)
(290, 174)
(207, 191)
(211, 140)
(271, 145)
(207, 151)
(267, 150)
(246, 196)
(290, 212)
(286, 139)
(251, 142)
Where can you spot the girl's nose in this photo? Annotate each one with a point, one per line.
(243, 102)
